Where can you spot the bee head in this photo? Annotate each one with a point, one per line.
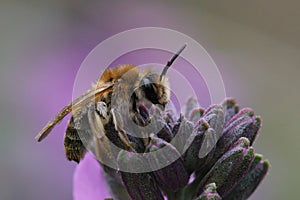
(154, 89)
(150, 90)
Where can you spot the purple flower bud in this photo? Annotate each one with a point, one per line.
(215, 118)
(196, 114)
(236, 119)
(212, 150)
(174, 176)
(210, 193)
(205, 142)
(182, 130)
(190, 106)
(140, 186)
(247, 185)
(230, 168)
(242, 124)
(193, 145)
(230, 109)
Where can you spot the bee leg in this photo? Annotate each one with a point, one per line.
(102, 109)
(118, 122)
(101, 142)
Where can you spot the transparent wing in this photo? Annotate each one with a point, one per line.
(73, 106)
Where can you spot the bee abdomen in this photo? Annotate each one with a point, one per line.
(74, 147)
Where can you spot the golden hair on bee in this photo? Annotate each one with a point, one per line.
(110, 75)
(93, 113)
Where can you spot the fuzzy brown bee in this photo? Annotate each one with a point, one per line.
(96, 113)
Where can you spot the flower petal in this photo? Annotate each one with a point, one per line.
(88, 181)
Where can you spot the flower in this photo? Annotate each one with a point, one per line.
(214, 159)
(89, 182)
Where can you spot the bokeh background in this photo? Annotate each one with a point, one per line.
(255, 44)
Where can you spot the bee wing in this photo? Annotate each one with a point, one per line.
(73, 106)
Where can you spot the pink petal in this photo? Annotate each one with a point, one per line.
(88, 181)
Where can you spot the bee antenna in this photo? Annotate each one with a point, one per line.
(170, 62)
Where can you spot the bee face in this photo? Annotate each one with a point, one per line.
(136, 91)
(153, 89)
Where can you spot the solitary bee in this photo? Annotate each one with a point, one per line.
(99, 113)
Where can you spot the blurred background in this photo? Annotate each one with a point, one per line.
(255, 44)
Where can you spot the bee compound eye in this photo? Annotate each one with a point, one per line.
(146, 83)
(147, 86)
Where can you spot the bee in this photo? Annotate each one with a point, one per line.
(99, 112)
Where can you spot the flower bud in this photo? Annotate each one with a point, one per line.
(140, 186)
(242, 124)
(182, 131)
(173, 176)
(230, 109)
(247, 185)
(230, 168)
(190, 106)
(193, 145)
(215, 118)
(196, 114)
(210, 193)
